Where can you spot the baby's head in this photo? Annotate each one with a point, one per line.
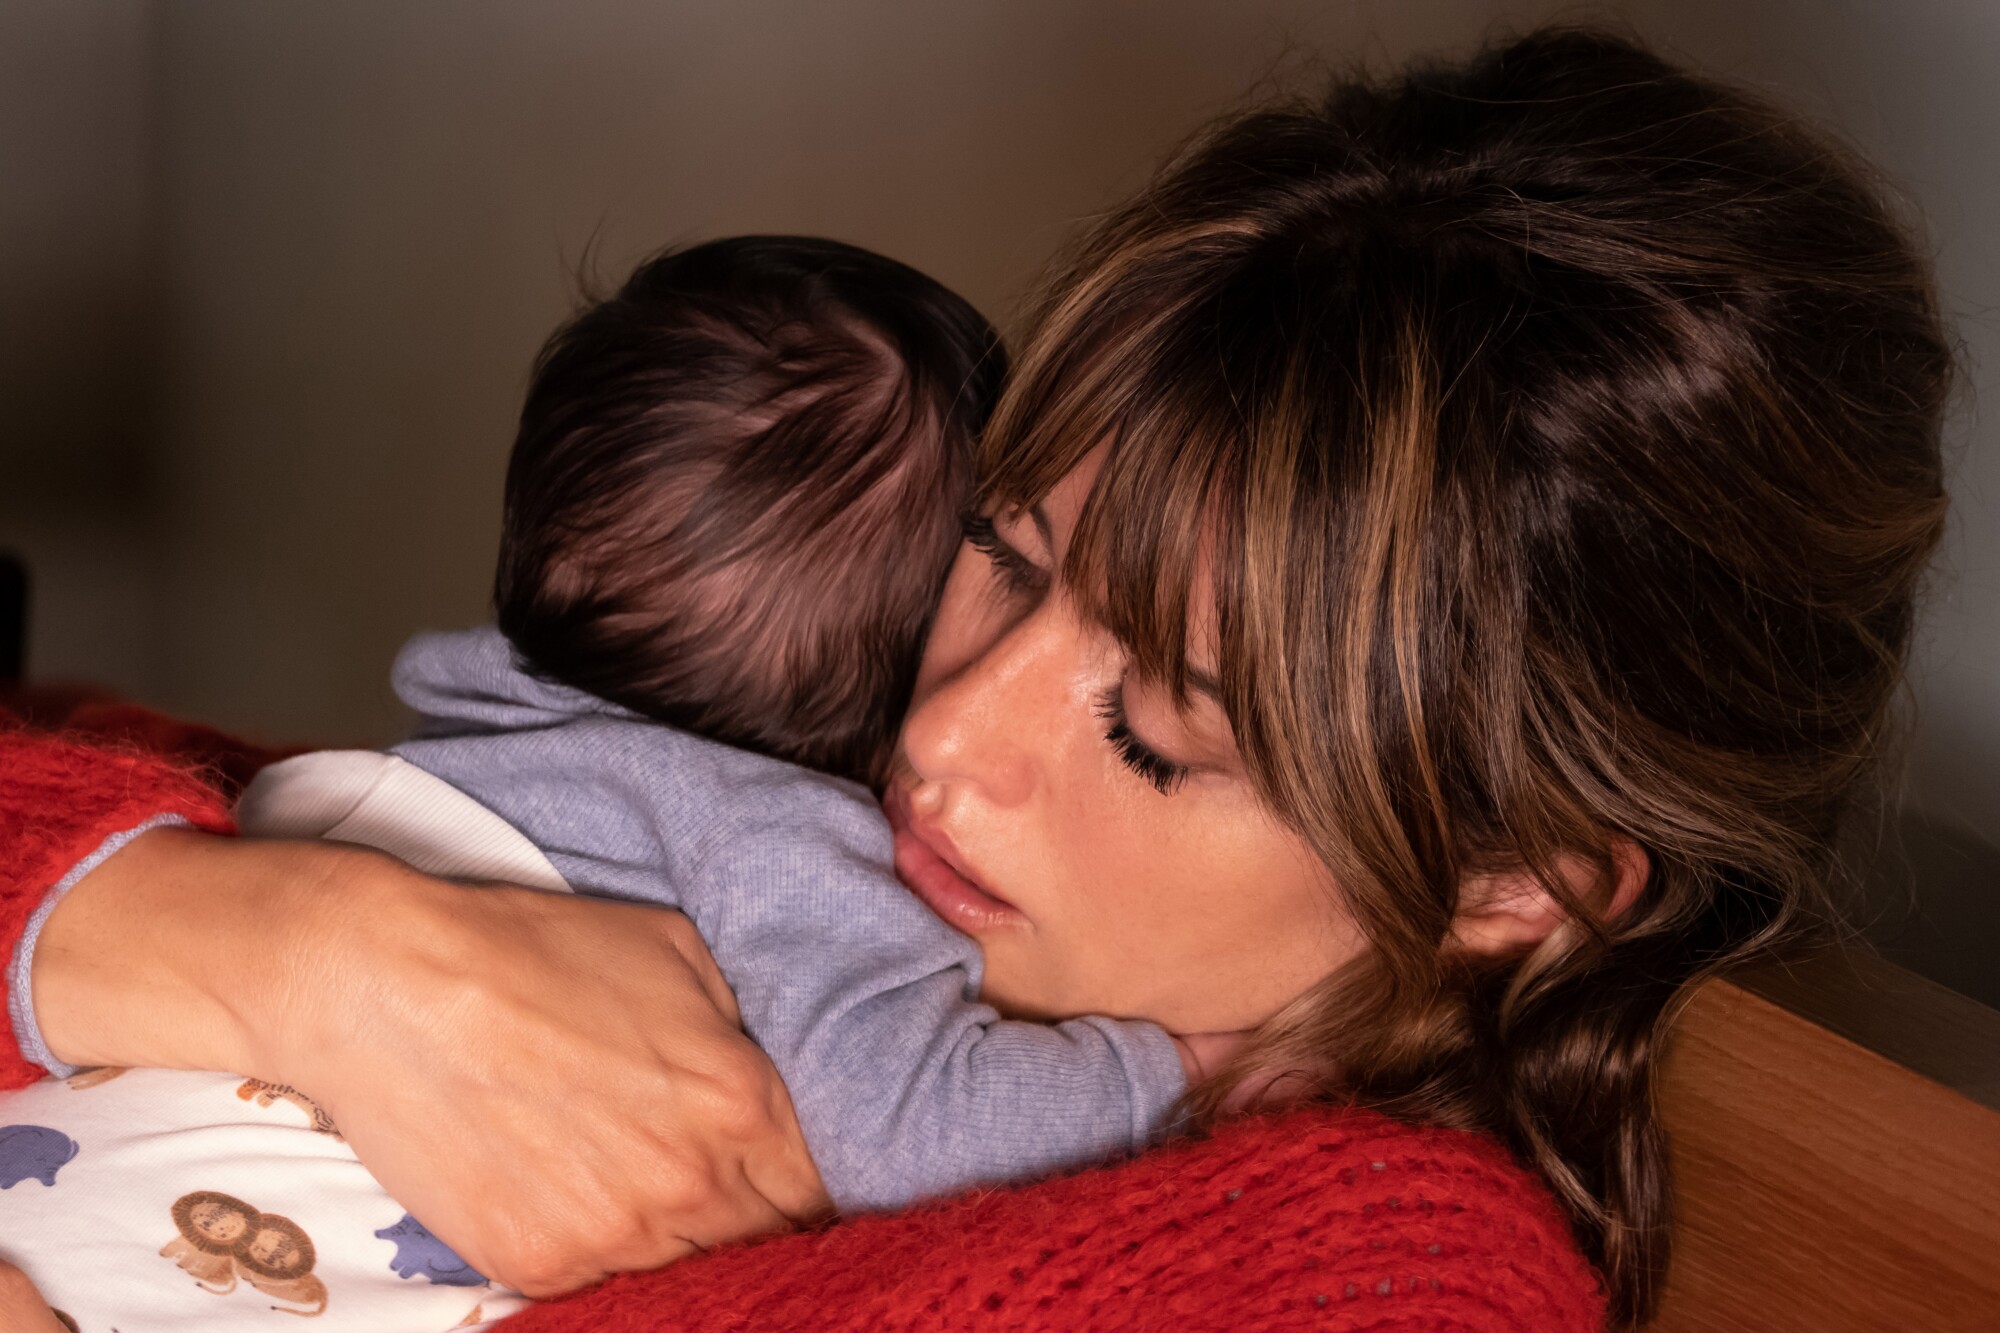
(736, 490)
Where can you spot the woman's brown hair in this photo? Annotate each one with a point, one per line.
(1557, 436)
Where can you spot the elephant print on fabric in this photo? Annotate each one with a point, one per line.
(267, 1093)
(418, 1251)
(33, 1152)
(223, 1239)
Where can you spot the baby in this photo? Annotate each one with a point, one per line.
(731, 507)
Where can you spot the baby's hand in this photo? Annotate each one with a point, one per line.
(1202, 1053)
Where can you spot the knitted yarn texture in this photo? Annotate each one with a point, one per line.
(1321, 1219)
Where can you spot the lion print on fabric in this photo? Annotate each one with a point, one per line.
(223, 1239)
(267, 1093)
(90, 1078)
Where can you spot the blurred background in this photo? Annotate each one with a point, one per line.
(272, 275)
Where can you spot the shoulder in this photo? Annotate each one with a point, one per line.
(1421, 1221)
(1318, 1218)
(724, 805)
(619, 781)
(1407, 1226)
(487, 718)
(715, 788)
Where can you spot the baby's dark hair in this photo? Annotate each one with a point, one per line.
(736, 492)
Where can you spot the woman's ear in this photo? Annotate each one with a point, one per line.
(1513, 912)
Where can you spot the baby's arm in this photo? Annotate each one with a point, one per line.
(1202, 1053)
(906, 1085)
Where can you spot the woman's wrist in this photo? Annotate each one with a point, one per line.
(189, 951)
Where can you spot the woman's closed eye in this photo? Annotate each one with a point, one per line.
(1135, 754)
(1018, 575)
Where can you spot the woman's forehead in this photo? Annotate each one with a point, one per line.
(1056, 517)
(1058, 512)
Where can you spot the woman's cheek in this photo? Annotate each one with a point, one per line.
(1249, 917)
(1096, 945)
(1155, 921)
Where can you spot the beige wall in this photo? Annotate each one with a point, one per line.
(374, 211)
(294, 363)
(78, 317)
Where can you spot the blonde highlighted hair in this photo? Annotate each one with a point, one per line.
(1557, 436)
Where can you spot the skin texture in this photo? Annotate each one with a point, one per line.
(22, 1309)
(587, 1045)
(1194, 907)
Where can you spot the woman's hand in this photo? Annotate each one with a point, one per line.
(22, 1309)
(556, 1087)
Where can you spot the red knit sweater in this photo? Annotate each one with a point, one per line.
(1323, 1219)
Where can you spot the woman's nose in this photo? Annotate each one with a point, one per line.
(980, 722)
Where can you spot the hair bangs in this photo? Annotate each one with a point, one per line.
(1244, 439)
(1158, 557)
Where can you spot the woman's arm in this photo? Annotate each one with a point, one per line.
(578, 1057)
(22, 1309)
(64, 802)
(549, 1082)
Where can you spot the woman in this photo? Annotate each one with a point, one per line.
(1447, 557)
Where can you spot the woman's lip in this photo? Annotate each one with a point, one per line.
(928, 864)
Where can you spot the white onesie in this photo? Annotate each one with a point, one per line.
(161, 1201)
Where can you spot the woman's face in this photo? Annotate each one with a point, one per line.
(1103, 847)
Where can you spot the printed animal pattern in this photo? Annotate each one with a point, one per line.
(223, 1239)
(419, 1252)
(229, 1262)
(265, 1094)
(90, 1078)
(33, 1152)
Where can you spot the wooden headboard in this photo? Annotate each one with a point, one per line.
(1836, 1135)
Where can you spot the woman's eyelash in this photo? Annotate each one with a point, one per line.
(1020, 574)
(1163, 773)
